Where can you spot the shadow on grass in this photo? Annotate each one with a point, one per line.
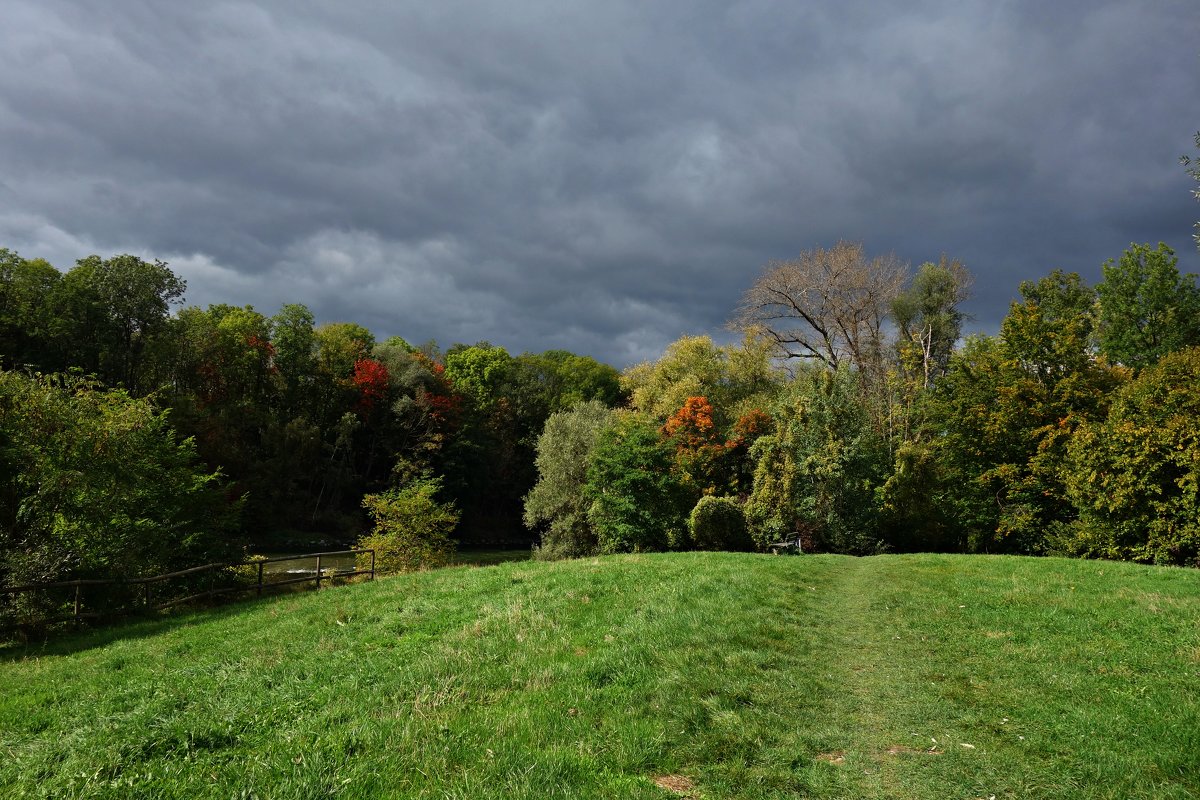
(67, 638)
(64, 639)
(486, 557)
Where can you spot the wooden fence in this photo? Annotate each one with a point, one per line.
(142, 587)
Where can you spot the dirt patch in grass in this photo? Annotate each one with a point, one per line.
(678, 784)
(834, 757)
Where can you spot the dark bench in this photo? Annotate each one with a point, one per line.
(791, 544)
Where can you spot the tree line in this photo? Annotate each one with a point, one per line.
(137, 434)
(1072, 431)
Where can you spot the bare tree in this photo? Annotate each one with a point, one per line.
(826, 305)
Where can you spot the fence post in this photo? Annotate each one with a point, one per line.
(146, 593)
(260, 571)
(318, 571)
(372, 565)
(76, 603)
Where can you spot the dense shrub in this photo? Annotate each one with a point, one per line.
(412, 529)
(717, 523)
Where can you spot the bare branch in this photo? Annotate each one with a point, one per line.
(828, 305)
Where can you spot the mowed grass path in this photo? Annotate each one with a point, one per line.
(723, 676)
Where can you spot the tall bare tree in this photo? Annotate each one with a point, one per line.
(826, 305)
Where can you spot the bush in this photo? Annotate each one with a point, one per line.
(412, 529)
(717, 523)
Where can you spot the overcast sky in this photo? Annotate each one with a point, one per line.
(598, 176)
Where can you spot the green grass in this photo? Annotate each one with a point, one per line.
(740, 676)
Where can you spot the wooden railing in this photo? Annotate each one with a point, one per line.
(76, 598)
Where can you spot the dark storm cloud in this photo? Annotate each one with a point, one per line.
(597, 176)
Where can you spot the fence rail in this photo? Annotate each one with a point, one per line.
(147, 604)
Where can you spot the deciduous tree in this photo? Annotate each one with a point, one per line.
(827, 305)
(929, 318)
(1135, 476)
(817, 473)
(118, 305)
(557, 505)
(1147, 309)
(412, 527)
(97, 484)
(636, 503)
(27, 322)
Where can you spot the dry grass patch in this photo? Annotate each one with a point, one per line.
(679, 784)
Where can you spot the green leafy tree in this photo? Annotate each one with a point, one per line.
(819, 471)
(116, 307)
(1001, 418)
(339, 346)
(1135, 475)
(293, 335)
(27, 323)
(1147, 309)
(1049, 331)
(227, 356)
(917, 505)
(98, 485)
(557, 502)
(557, 379)
(635, 502)
(479, 372)
(734, 379)
(411, 528)
(929, 319)
(981, 419)
(489, 465)
(223, 390)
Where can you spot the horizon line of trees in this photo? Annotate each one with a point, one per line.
(138, 434)
(1073, 431)
(281, 425)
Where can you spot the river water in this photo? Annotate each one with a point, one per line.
(308, 566)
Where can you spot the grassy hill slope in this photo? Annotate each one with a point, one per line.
(712, 675)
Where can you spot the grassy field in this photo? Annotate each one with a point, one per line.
(686, 675)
